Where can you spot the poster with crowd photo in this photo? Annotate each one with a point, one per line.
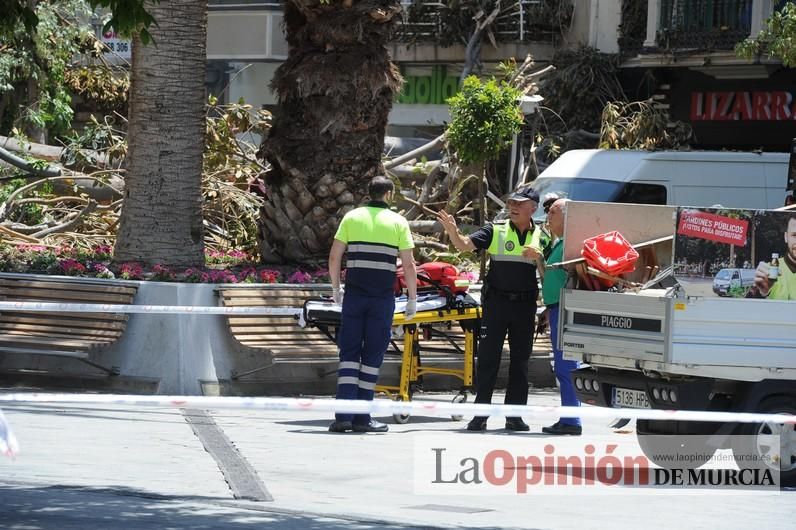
(736, 253)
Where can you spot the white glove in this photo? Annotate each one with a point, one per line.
(337, 296)
(411, 309)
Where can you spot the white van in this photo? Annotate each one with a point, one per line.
(728, 281)
(679, 178)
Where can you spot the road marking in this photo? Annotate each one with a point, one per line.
(239, 474)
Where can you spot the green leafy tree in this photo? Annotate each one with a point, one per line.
(33, 65)
(128, 17)
(40, 41)
(484, 119)
(776, 40)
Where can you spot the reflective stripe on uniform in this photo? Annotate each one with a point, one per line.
(351, 365)
(367, 385)
(518, 259)
(348, 380)
(501, 242)
(368, 264)
(372, 370)
(373, 248)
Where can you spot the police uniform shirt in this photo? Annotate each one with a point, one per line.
(373, 235)
(509, 276)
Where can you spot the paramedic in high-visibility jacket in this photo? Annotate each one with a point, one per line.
(372, 237)
(508, 298)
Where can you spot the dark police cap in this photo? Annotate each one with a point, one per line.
(525, 194)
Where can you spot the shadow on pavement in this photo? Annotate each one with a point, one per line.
(71, 508)
(385, 419)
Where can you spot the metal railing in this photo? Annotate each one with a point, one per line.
(704, 24)
(519, 20)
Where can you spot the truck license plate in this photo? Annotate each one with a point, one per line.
(628, 398)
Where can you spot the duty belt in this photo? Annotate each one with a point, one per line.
(513, 296)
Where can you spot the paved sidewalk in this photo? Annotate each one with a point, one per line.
(117, 467)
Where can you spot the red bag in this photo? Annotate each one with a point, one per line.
(435, 275)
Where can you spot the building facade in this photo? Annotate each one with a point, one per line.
(687, 56)
(245, 45)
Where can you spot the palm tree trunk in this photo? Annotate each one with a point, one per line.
(335, 90)
(161, 220)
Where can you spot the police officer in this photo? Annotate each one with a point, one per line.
(508, 298)
(373, 237)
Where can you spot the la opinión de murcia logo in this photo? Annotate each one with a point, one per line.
(502, 468)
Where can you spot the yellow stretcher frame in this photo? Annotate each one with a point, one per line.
(411, 370)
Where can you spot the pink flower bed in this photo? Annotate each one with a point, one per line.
(233, 266)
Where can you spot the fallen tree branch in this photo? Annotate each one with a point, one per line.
(433, 144)
(24, 165)
(51, 153)
(4, 208)
(425, 227)
(55, 200)
(422, 243)
(90, 207)
(543, 71)
(426, 209)
(17, 235)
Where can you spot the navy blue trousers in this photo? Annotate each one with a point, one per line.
(562, 367)
(363, 340)
(500, 317)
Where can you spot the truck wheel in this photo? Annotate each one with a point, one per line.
(673, 451)
(756, 445)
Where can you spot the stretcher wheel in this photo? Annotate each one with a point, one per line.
(403, 418)
(461, 397)
(400, 418)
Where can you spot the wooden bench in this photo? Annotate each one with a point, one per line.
(71, 335)
(281, 335)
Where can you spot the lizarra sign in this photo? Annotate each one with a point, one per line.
(617, 322)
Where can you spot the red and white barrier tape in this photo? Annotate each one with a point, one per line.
(387, 407)
(8, 442)
(145, 309)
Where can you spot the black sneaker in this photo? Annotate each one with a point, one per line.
(371, 426)
(477, 424)
(559, 428)
(340, 426)
(516, 424)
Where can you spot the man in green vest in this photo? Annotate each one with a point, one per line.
(508, 298)
(784, 286)
(554, 281)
